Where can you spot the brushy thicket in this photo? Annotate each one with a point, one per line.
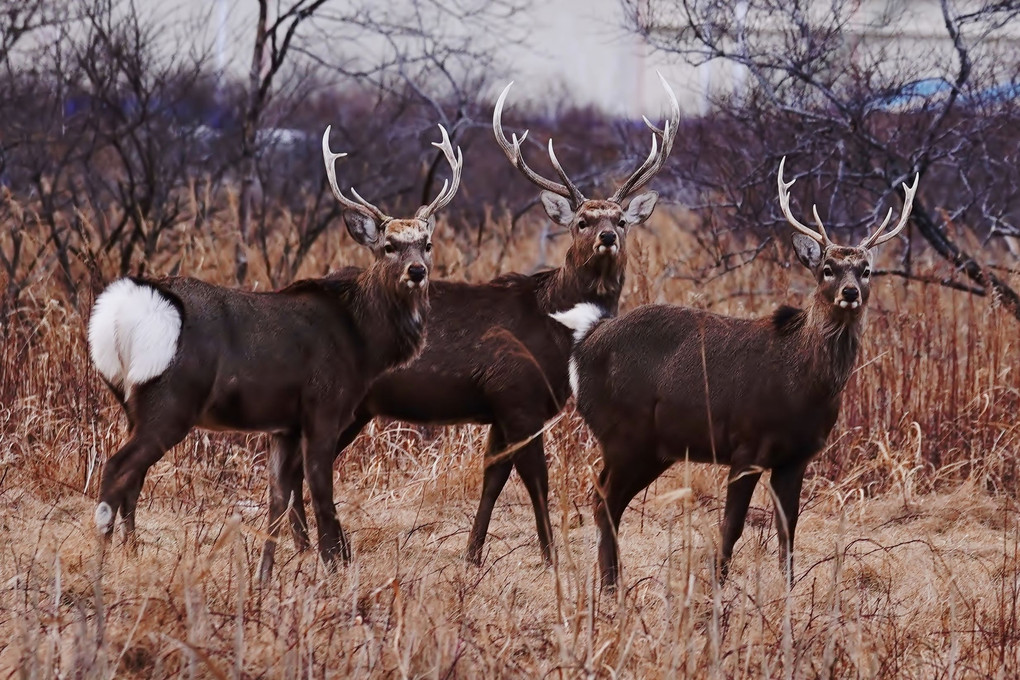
(908, 562)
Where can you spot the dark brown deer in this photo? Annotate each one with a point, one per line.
(663, 384)
(494, 356)
(180, 353)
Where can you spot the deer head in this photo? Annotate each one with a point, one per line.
(402, 247)
(843, 273)
(598, 228)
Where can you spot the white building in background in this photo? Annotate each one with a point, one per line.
(578, 50)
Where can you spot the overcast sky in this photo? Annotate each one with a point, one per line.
(574, 49)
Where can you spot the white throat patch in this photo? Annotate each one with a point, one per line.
(580, 318)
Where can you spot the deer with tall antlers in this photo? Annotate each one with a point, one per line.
(179, 353)
(663, 384)
(494, 356)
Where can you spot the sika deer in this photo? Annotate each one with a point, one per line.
(663, 384)
(494, 356)
(179, 353)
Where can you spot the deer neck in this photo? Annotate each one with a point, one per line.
(391, 323)
(831, 340)
(584, 278)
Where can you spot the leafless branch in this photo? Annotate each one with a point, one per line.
(861, 112)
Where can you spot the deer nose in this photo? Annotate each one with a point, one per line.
(850, 294)
(607, 238)
(416, 272)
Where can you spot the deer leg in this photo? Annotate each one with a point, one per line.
(319, 448)
(786, 484)
(351, 432)
(531, 466)
(283, 458)
(155, 429)
(155, 433)
(299, 520)
(618, 484)
(298, 516)
(123, 478)
(497, 470)
(739, 489)
(607, 520)
(127, 511)
(288, 476)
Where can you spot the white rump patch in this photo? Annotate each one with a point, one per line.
(133, 334)
(104, 516)
(580, 318)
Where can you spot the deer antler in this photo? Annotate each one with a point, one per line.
(567, 190)
(784, 203)
(450, 187)
(361, 205)
(657, 157)
(878, 238)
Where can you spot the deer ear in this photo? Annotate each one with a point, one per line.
(558, 208)
(361, 227)
(641, 207)
(430, 224)
(809, 252)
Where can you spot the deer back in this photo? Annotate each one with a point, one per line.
(243, 359)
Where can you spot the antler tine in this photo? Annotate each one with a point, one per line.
(881, 227)
(513, 153)
(329, 159)
(634, 182)
(784, 204)
(878, 238)
(378, 214)
(655, 161)
(575, 194)
(818, 221)
(651, 126)
(450, 187)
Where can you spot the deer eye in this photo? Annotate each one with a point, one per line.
(581, 224)
(866, 274)
(622, 223)
(827, 272)
(428, 247)
(389, 249)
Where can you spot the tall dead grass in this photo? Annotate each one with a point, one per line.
(908, 562)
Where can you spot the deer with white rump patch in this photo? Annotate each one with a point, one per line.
(663, 384)
(494, 356)
(179, 353)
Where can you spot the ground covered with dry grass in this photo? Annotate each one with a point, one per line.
(907, 565)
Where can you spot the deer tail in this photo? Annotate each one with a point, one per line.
(133, 334)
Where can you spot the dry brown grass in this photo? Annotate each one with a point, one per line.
(908, 562)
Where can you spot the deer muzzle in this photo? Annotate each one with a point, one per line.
(607, 243)
(849, 298)
(416, 275)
